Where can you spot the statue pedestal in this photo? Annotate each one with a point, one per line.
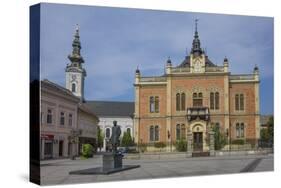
(111, 163)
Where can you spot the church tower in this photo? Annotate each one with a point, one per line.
(74, 72)
(197, 55)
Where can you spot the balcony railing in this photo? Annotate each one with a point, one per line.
(179, 70)
(214, 69)
(242, 77)
(153, 79)
(202, 113)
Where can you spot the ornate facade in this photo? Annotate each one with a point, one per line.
(193, 98)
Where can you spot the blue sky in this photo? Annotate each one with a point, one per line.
(117, 40)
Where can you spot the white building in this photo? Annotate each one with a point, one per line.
(108, 111)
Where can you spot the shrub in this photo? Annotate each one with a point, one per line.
(87, 150)
(142, 147)
(181, 145)
(219, 138)
(238, 142)
(127, 140)
(159, 144)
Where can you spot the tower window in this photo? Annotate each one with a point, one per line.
(49, 116)
(73, 87)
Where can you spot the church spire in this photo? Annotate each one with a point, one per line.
(75, 57)
(196, 49)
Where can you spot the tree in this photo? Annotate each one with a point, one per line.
(181, 145)
(87, 150)
(127, 140)
(219, 138)
(100, 138)
(271, 129)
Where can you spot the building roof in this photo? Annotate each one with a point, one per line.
(186, 62)
(84, 107)
(57, 88)
(111, 108)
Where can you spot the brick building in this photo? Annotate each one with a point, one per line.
(194, 97)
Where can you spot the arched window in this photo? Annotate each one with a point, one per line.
(241, 102)
(240, 130)
(73, 88)
(236, 102)
(237, 130)
(107, 132)
(154, 133)
(212, 101)
(151, 133)
(182, 131)
(178, 132)
(152, 104)
(183, 101)
(156, 104)
(217, 100)
(156, 138)
(178, 102)
(197, 99)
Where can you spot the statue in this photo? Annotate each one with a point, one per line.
(111, 162)
(114, 140)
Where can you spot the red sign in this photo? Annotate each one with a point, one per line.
(47, 136)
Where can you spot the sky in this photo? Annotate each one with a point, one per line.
(115, 41)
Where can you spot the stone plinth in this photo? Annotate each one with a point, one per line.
(111, 163)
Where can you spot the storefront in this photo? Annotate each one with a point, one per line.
(47, 145)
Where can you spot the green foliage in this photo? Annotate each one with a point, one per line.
(267, 134)
(181, 145)
(127, 140)
(238, 142)
(159, 144)
(87, 150)
(142, 147)
(100, 138)
(219, 138)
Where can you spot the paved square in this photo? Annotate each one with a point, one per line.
(57, 171)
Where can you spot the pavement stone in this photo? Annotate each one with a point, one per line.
(58, 172)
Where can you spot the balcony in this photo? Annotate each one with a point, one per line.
(201, 113)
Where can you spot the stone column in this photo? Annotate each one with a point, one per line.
(212, 143)
(189, 144)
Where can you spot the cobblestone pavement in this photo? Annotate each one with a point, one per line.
(57, 172)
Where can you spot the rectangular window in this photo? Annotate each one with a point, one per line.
(217, 100)
(62, 118)
(49, 116)
(70, 120)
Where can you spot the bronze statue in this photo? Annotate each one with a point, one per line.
(116, 132)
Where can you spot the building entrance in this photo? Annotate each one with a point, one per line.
(197, 141)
